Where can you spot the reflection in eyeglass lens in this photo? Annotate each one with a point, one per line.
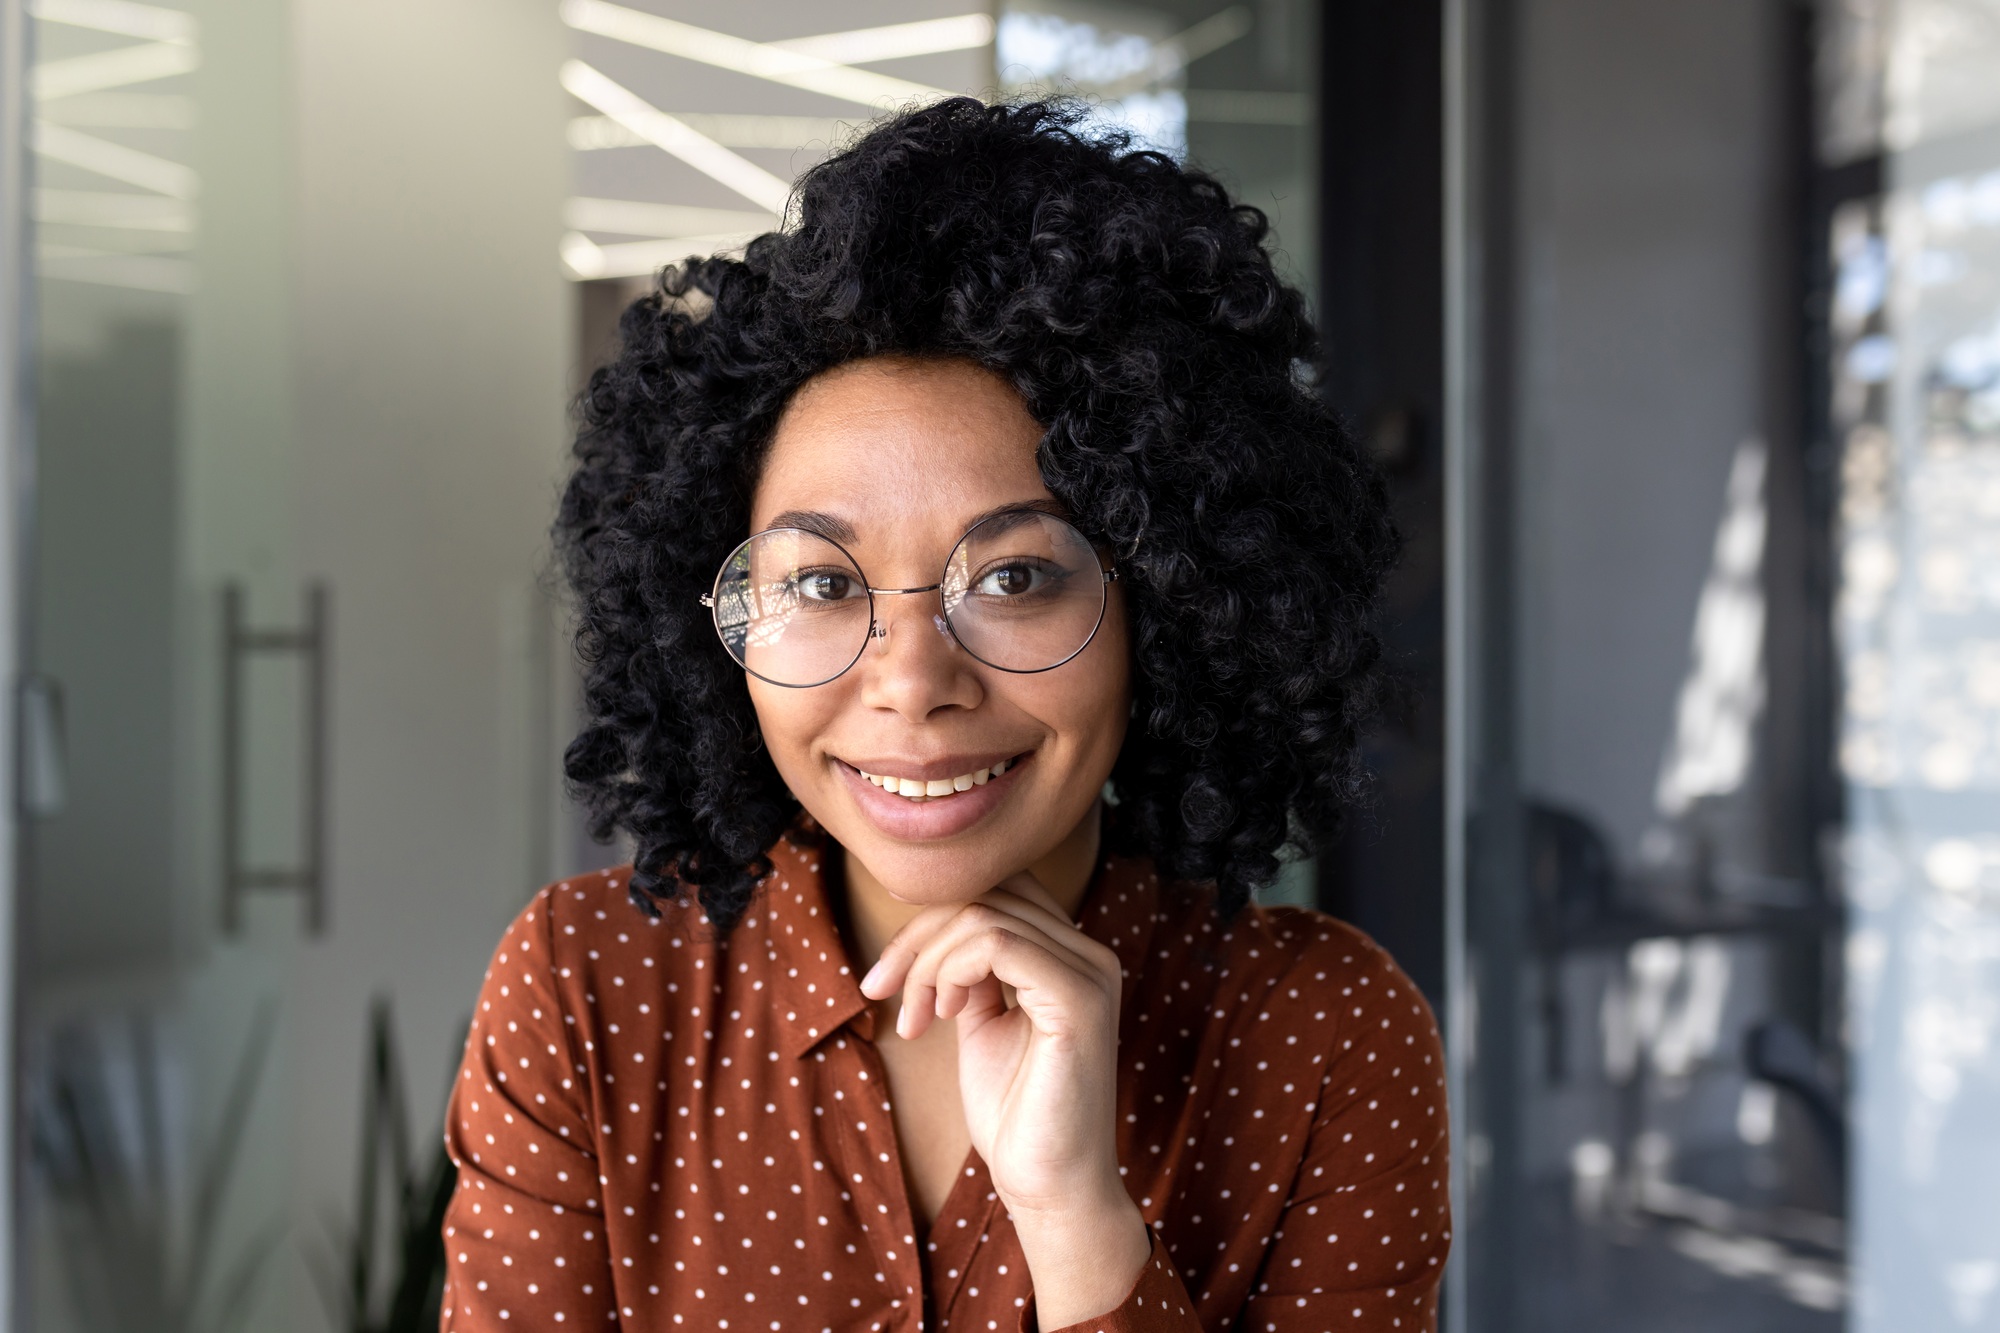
(792, 608)
(1022, 591)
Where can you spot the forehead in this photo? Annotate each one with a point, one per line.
(895, 446)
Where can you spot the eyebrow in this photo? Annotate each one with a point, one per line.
(837, 529)
(829, 526)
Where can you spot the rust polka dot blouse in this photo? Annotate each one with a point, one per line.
(662, 1128)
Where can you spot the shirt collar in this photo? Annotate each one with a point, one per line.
(817, 989)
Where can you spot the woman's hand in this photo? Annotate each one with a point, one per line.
(1038, 1080)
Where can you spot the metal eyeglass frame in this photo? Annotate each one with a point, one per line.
(876, 630)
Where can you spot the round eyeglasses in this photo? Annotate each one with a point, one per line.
(1023, 591)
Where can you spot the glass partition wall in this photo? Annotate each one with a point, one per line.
(1911, 389)
(1723, 288)
(298, 354)
(1648, 987)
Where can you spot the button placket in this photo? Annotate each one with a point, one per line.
(889, 1218)
(966, 1218)
(862, 1176)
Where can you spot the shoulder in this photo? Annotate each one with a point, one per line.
(571, 929)
(1314, 950)
(1273, 944)
(1296, 974)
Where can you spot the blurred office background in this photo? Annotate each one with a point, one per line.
(1674, 324)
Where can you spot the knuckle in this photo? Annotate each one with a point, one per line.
(981, 916)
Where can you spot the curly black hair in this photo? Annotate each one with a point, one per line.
(1135, 309)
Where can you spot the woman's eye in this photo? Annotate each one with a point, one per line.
(1009, 581)
(825, 586)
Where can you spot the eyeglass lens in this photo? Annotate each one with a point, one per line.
(1022, 592)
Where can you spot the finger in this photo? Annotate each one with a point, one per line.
(984, 1000)
(927, 993)
(901, 966)
(1043, 911)
(885, 978)
(1015, 918)
(1059, 999)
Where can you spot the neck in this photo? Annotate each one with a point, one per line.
(874, 915)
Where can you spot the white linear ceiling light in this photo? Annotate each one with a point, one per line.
(675, 136)
(764, 60)
(116, 161)
(117, 68)
(114, 238)
(730, 129)
(123, 17)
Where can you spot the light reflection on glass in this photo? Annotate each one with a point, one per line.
(1127, 61)
(1916, 400)
(1724, 690)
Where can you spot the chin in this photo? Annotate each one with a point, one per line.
(931, 876)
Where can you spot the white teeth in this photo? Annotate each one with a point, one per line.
(914, 789)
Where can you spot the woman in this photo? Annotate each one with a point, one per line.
(975, 601)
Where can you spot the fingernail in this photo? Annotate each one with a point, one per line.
(873, 973)
(902, 1013)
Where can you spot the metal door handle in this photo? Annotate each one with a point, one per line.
(241, 642)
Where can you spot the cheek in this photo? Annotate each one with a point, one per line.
(790, 721)
(1087, 702)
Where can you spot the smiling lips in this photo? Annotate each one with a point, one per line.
(918, 789)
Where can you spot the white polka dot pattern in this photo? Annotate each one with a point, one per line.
(662, 1129)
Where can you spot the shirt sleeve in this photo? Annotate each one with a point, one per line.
(1363, 1237)
(524, 1233)
(1157, 1303)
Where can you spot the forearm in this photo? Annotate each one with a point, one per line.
(1083, 1260)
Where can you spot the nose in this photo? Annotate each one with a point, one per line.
(913, 666)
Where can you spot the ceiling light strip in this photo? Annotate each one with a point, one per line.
(674, 136)
(123, 17)
(60, 144)
(758, 59)
(117, 68)
(896, 41)
(730, 129)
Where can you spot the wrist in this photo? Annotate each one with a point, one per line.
(1083, 1258)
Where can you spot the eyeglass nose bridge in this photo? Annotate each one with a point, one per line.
(878, 630)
